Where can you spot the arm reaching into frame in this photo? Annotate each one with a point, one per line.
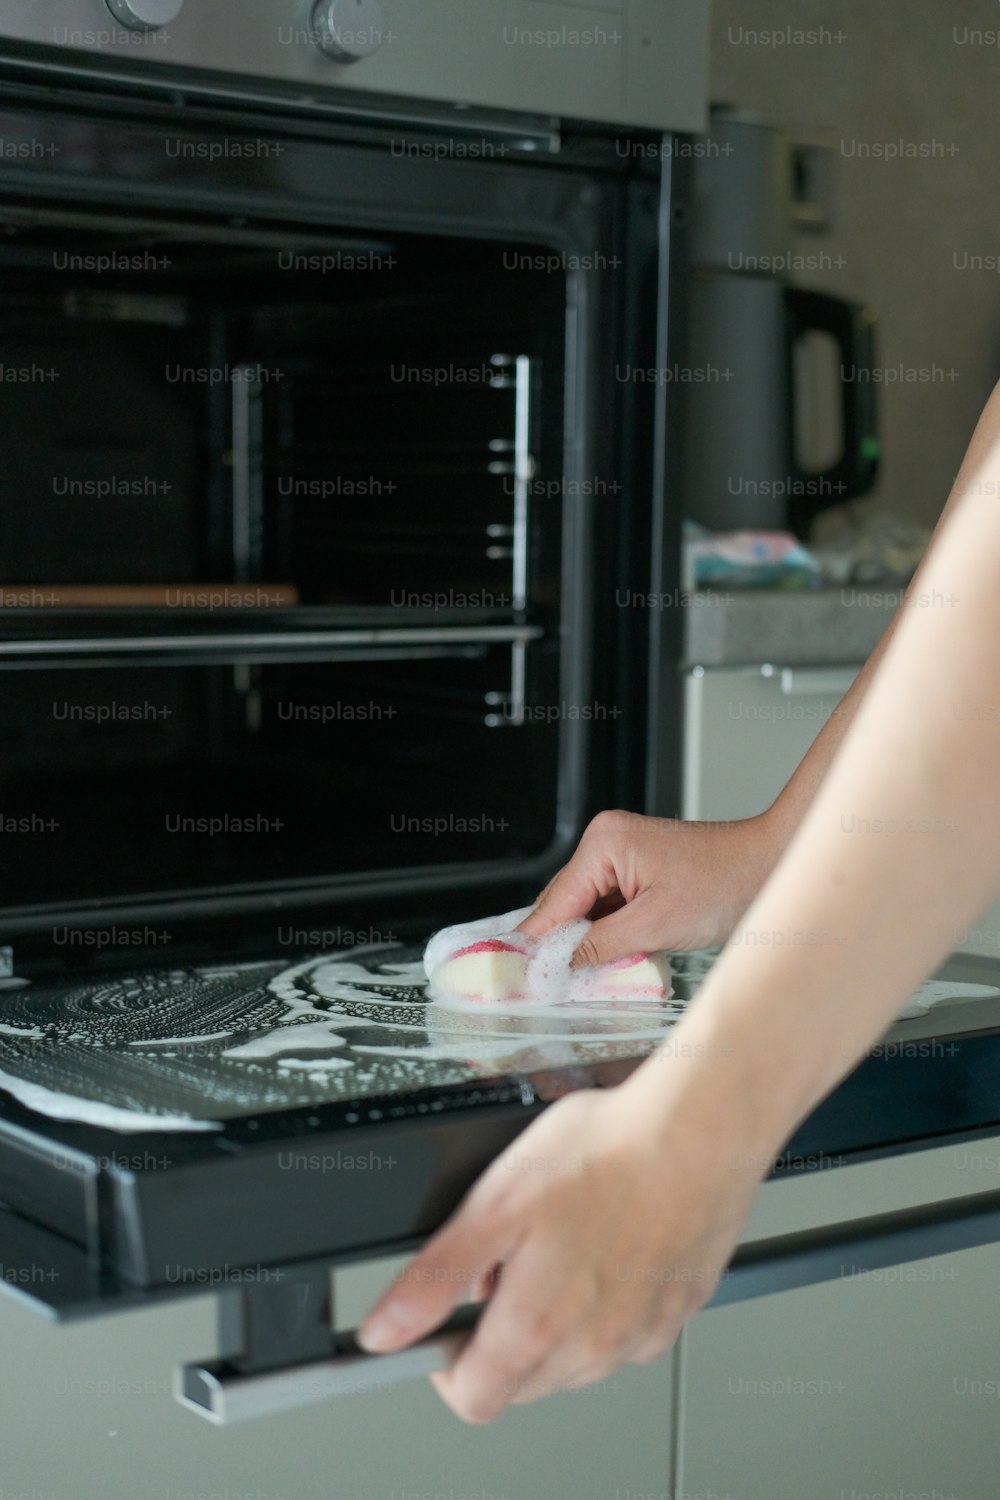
(661, 883)
(610, 1219)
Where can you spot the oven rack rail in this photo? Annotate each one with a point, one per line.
(263, 645)
(288, 648)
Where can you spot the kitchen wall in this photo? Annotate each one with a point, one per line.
(905, 91)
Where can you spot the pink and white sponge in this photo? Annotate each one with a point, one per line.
(491, 969)
(640, 974)
(488, 963)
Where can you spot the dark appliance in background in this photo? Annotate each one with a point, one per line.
(749, 354)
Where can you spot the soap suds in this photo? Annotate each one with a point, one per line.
(178, 1041)
(940, 992)
(312, 1064)
(147, 1052)
(549, 979)
(308, 1036)
(59, 1106)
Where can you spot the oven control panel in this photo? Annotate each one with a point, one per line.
(145, 15)
(349, 30)
(625, 62)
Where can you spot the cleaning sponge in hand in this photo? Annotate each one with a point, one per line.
(492, 969)
(488, 962)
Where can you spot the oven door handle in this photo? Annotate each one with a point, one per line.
(871, 1244)
(223, 1394)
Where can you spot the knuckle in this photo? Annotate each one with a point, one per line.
(543, 1331)
(606, 825)
(512, 1347)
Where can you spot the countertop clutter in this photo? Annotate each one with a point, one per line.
(756, 596)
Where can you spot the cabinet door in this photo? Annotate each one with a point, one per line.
(746, 729)
(878, 1384)
(87, 1413)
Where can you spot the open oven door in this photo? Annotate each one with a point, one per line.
(362, 1071)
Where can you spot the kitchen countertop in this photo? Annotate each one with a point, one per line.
(812, 627)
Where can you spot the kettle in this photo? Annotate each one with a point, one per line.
(742, 398)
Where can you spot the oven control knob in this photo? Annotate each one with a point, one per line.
(145, 15)
(349, 30)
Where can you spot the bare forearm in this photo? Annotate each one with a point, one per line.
(786, 814)
(898, 852)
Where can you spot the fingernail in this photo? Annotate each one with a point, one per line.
(382, 1331)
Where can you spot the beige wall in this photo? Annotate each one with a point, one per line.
(900, 73)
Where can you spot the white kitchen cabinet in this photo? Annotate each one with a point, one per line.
(885, 1384)
(745, 731)
(983, 935)
(747, 728)
(87, 1413)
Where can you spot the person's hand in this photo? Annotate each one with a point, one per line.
(592, 1239)
(656, 883)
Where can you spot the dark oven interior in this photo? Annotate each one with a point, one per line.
(280, 576)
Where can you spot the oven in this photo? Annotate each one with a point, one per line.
(329, 443)
(332, 433)
(338, 421)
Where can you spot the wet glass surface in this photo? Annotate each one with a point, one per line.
(186, 1046)
(181, 1048)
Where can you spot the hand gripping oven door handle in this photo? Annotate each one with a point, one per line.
(222, 1394)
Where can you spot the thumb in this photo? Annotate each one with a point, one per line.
(631, 929)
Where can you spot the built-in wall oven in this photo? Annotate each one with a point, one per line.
(326, 450)
(333, 437)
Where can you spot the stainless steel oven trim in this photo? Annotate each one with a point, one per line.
(530, 134)
(265, 642)
(524, 469)
(653, 76)
(661, 768)
(541, 203)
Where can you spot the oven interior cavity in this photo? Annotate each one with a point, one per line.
(281, 554)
